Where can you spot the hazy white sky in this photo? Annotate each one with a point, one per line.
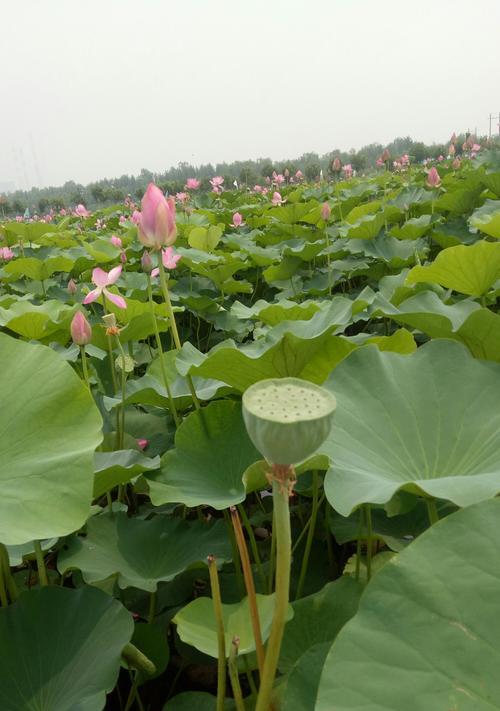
(104, 87)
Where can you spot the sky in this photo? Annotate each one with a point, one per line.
(100, 88)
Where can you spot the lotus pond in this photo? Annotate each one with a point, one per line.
(250, 449)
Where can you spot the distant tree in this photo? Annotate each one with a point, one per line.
(312, 170)
(43, 204)
(358, 161)
(97, 192)
(267, 169)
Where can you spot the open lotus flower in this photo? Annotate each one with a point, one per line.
(102, 280)
(380, 162)
(169, 259)
(81, 330)
(192, 184)
(156, 222)
(217, 183)
(237, 220)
(348, 171)
(433, 178)
(81, 211)
(6, 254)
(277, 199)
(181, 197)
(299, 175)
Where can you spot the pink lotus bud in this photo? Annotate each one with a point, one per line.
(116, 241)
(257, 188)
(453, 138)
(136, 217)
(122, 219)
(146, 262)
(433, 178)
(237, 219)
(299, 175)
(142, 443)
(62, 211)
(440, 159)
(156, 224)
(386, 155)
(451, 149)
(326, 211)
(456, 163)
(286, 173)
(71, 288)
(123, 257)
(380, 162)
(6, 254)
(337, 165)
(277, 199)
(81, 330)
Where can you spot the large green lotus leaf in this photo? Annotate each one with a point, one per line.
(50, 428)
(303, 679)
(426, 423)
(468, 269)
(272, 314)
(318, 618)
(286, 350)
(39, 269)
(413, 229)
(142, 553)
(114, 468)
(30, 231)
(367, 227)
(49, 321)
(60, 649)
(427, 634)
(212, 452)
(196, 623)
(458, 202)
(487, 218)
(396, 253)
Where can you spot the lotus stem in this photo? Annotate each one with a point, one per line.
(121, 419)
(7, 575)
(310, 536)
(369, 538)
(40, 563)
(234, 676)
(171, 402)
(283, 478)
(432, 511)
(85, 367)
(221, 642)
(152, 608)
(4, 601)
(253, 544)
(249, 584)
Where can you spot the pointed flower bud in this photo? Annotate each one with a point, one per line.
(81, 330)
(433, 178)
(156, 224)
(146, 262)
(326, 211)
(71, 288)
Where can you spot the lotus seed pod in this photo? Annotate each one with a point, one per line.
(287, 419)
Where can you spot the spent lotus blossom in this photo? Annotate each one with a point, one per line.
(433, 178)
(169, 258)
(6, 254)
(156, 222)
(102, 280)
(192, 184)
(81, 211)
(238, 219)
(277, 199)
(81, 330)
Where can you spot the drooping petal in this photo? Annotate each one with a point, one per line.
(113, 275)
(93, 295)
(100, 277)
(155, 272)
(116, 299)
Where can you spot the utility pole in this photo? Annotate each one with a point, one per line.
(492, 117)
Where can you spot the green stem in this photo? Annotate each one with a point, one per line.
(40, 563)
(432, 511)
(7, 575)
(369, 537)
(236, 554)
(152, 608)
(272, 556)
(173, 326)
(358, 543)
(253, 544)
(310, 536)
(84, 367)
(305, 529)
(171, 402)
(221, 642)
(133, 692)
(282, 477)
(4, 600)
(110, 352)
(328, 534)
(121, 419)
(234, 676)
(250, 587)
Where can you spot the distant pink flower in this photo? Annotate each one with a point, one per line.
(62, 211)
(192, 184)
(81, 330)
(237, 220)
(405, 159)
(116, 241)
(277, 199)
(19, 218)
(433, 178)
(267, 180)
(123, 257)
(476, 147)
(6, 254)
(440, 159)
(337, 165)
(451, 149)
(142, 443)
(81, 211)
(102, 280)
(456, 163)
(156, 223)
(386, 155)
(71, 288)
(326, 211)
(257, 188)
(278, 179)
(299, 175)
(217, 183)
(182, 197)
(348, 171)
(380, 162)
(122, 219)
(136, 217)
(169, 259)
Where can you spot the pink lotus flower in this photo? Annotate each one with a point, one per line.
(456, 163)
(277, 199)
(81, 211)
(192, 184)
(299, 175)
(102, 280)
(71, 288)
(380, 163)
(405, 159)
(81, 330)
(142, 443)
(169, 259)
(385, 155)
(156, 223)
(122, 220)
(326, 211)
(433, 178)
(136, 217)
(217, 183)
(6, 254)
(62, 211)
(116, 241)
(451, 149)
(237, 220)
(476, 147)
(257, 188)
(440, 159)
(182, 197)
(19, 218)
(278, 179)
(348, 171)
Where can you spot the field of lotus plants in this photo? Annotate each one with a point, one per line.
(250, 447)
